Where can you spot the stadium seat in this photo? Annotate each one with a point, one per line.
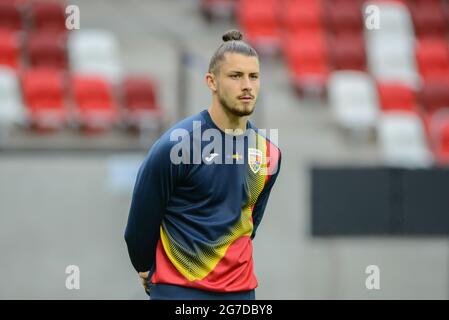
(439, 135)
(95, 53)
(9, 49)
(301, 15)
(432, 55)
(348, 51)
(48, 15)
(47, 49)
(353, 99)
(259, 23)
(395, 96)
(402, 140)
(395, 20)
(423, 2)
(403, 2)
(390, 50)
(392, 58)
(142, 109)
(307, 59)
(44, 95)
(11, 106)
(344, 16)
(96, 108)
(434, 95)
(218, 9)
(10, 16)
(429, 18)
(19, 3)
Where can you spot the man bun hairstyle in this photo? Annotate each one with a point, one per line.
(232, 35)
(233, 43)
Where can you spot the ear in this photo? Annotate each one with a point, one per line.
(211, 81)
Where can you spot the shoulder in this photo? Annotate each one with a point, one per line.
(181, 128)
(176, 136)
(270, 138)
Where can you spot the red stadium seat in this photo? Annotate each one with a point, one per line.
(348, 51)
(438, 123)
(258, 21)
(442, 150)
(344, 16)
(404, 2)
(434, 95)
(424, 2)
(9, 49)
(433, 59)
(44, 95)
(140, 100)
(48, 15)
(17, 2)
(301, 15)
(428, 18)
(397, 97)
(96, 106)
(47, 49)
(307, 60)
(10, 16)
(139, 93)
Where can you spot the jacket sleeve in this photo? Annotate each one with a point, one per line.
(154, 184)
(261, 203)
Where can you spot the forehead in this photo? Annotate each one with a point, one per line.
(240, 62)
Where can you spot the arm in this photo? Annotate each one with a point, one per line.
(154, 184)
(261, 203)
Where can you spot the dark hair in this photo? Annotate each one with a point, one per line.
(233, 43)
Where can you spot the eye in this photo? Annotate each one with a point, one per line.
(254, 76)
(235, 76)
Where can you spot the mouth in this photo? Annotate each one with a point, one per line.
(246, 98)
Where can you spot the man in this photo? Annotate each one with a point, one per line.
(202, 190)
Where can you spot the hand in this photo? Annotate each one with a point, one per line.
(144, 278)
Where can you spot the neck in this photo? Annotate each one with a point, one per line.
(225, 120)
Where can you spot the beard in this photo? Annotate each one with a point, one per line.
(236, 108)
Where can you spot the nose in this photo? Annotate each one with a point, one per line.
(246, 84)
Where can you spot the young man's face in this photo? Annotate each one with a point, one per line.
(237, 83)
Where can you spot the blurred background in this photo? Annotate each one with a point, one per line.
(358, 90)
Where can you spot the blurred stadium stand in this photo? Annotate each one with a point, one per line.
(407, 57)
(340, 95)
(51, 64)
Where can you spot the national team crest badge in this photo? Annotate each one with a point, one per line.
(254, 159)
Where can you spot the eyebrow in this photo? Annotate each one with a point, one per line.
(240, 72)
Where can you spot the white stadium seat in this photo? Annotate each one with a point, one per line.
(353, 99)
(394, 20)
(11, 107)
(95, 52)
(402, 140)
(392, 58)
(390, 49)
